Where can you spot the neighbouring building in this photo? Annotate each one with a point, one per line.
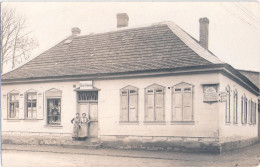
(153, 87)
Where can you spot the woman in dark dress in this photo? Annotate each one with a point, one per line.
(76, 126)
(83, 131)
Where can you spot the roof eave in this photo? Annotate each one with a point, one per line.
(202, 69)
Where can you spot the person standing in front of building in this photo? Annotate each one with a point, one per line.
(76, 127)
(83, 131)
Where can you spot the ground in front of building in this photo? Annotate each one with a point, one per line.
(42, 156)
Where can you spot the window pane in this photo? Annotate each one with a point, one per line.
(177, 89)
(54, 111)
(187, 89)
(159, 90)
(150, 91)
(132, 91)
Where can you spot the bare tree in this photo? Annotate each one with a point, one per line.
(16, 45)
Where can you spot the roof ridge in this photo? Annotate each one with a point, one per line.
(191, 43)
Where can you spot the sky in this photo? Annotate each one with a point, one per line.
(234, 28)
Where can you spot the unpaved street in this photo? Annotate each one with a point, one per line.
(69, 157)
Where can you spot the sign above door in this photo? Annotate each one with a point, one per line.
(85, 85)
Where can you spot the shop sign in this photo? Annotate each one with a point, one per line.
(210, 93)
(223, 96)
(86, 85)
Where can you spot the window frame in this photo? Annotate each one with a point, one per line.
(128, 89)
(9, 105)
(47, 108)
(227, 105)
(181, 89)
(235, 107)
(53, 94)
(26, 104)
(154, 88)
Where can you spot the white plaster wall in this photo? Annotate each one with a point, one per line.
(68, 109)
(231, 131)
(205, 115)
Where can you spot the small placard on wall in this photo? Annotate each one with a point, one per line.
(86, 85)
(210, 93)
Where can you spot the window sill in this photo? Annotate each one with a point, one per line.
(154, 123)
(235, 123)
(13, 119)
(182, 122)
(227, 123)
(30, 119)
(53, 126)
(129, 123)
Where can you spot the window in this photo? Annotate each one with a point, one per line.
(244, 109)
(129, 106)
(228, 105)
(54, 111)
(13, 105)
(53, 97)
(182, 102)
(154, 103)
(87, 96)
(253, 112)
(250, 111)
(31, 105)
(235, 120)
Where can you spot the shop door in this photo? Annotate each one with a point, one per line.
(91, 110)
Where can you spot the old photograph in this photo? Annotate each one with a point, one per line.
(130, 84)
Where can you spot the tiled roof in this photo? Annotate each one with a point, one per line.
(253, 76)
(154, 47)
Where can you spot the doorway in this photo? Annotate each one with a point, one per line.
(88, 104)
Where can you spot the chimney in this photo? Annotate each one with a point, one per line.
(122, 20)
(204, 32)
(75, 31)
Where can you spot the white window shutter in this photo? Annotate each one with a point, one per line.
(21, 106)
(159, 103)
(40, 105)
(124, 106)
(149, 115)
(187, 106)
(177, 106)
(133, 115)
(4, 106)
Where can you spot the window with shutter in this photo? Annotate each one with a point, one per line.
(154, 103)
(31, 104)
(129, 104)
(182, 102)
(13, 105)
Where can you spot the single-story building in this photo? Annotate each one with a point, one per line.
(153, 87)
